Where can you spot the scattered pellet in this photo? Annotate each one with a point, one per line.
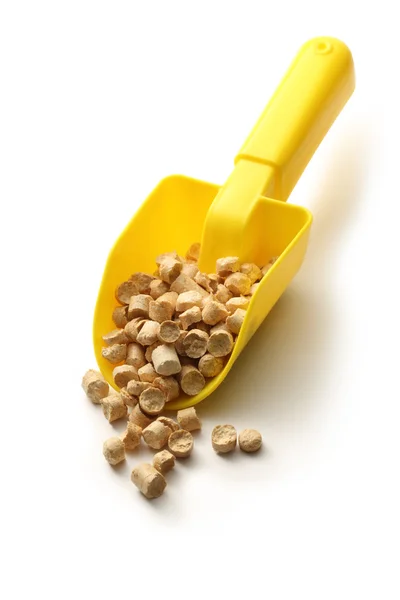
(169, 386)
(179, 343)
(191, 380)
(142, 282)
(147, 373)
(169, 269)
(139, 306)
(163, 461)
(148, 333)
(95, 386)
(131, 436)
(165, 360)
(173, 425)
(133, 328)
(210, 285)
(116, 336)
(195, 343)
(115, 353)
(114, 450)
(129, 399)
(190, 316)
(152, 400)
(183, 283)
(149, 350)
(220, 343)
(148, 480)
(139, 418)
(163, 308)
(180, 443)
(214, 312)
(135, 355)
(210, 366)
(223, 438)
(252, 271)
(194, 252)
(187, 300)
(135, 388)
(123, 374)
(125, 290)
(120, 316)
(250, 440)
(235, 321)
(169, 332)
(188, 419)
(237, 302)
(114, 407)
(190, 269)
(156, 435)
(158, 288)
(227, 265)
(222, 294)
(238, 284)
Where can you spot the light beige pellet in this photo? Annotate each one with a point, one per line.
(139, 306)
(252, 271)
(147, 373)
(115, 353)
(210, 285)
(131, 436)
(125, 291)
(135, 388)
(173, 425)
(123, 374)
(220, 343)
(169, 332)
(135, 355)
(235, 321)
(223, 438)
(142, 282)
(188, 419)
(190, 316)
(163, 461)
(114, 451)
(226, 266)
(169, 386)
(148, 333)
(161, 257)
(169, 269)
(214, 312)
(183, 283)
(156, 435)
(95, 386)
(116, 336)
(149, 350)
(187, 300)
(222, 294)
(180, 443)
(129, 399)
(269, 264)
(114, 407)
(179, 343)
(191, 380)
(165, 360)
(250, 440)
(190, 269)
(133, 328)
(210, 366)
(120, 316)
(152, 401)
(163, 308)
(239, 284)
(195, 343)
(238, 302)
(139, 418)
(158, 288)
(254, 288)
(148, 480)
(194, 252)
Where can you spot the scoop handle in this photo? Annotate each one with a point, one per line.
(309, 98)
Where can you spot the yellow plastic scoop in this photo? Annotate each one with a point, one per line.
(246, 217)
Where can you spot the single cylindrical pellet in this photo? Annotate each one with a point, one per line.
(131, 436)
(250, 440)
(115, 353)
(220, 343)
(114, 407)
(163, 461)
(139, 418)
(120, 316)
(252, 271)
(165, 360)
(190, 316)
(147, 373)
(95, 386)
(135, 355)
(148, 480)
(116, 336)
(139, 306)
(148, 333)
(214, 312)
(114, 450)
(123, 374)
(156, 435)
(169, 332)
(180, 443)
(142, 282)
(235, 321)
(158, 288)
(187, 300)
(191, 380)
(223, 438)
(125, 291)
(169, 269)
(152, 400)
(226, 266)
(188, 419)
(238, 284)
(210, 366)
(135, 388)
(195, 343)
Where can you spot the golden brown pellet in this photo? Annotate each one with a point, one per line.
(169, 269)
(129, 399)
(158, 288)
(120, 316)
(238, 284)
(142, 282)
(210, 366)
(125, 291)
(190, 316)
(169, 332)
(139, 418)
(161, 257)
(169, 386)
(222, 294)
(149, 350)
(180, 443)
(148, 480)
(163, 308)
(131, 436)
(188, 419)
(152, 401)
(135, 355)
(173, 425)
(250, 440)
(183, 283)
(227, 265)
(195, 343)
(114, 450)
(115, 353)
(114, 407)
(165, 360)
(116, 336)
(220, 343)
(156, 435)
(187, 300)
(223, 438)
(148, 333)
(147, 373)
(235, 321)
(163, 461)
(179, 343)
(214, 312)
(210, 285)
(139, 306)
(123, 374)
(135, 388)
(95, 386)
(132, 329)
(252, 271)
(254, 288)
(190, 269)
(191, 380)
(238, 302)
(194, 252)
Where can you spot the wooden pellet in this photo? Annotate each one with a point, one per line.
(180, 443)
(148, 480)
(214, 312)
(220, 343)
(125, 291)
(183, 283)
(133, 328)
(210, 366)
(123, 374)
(194, 252)
(152, 401)
(163, 461)
(169, 332)
(252, 271)
(156, 435)
(131, 436)
(162, 257)
(179, 343)
(115, 353)
(238, 302)
(223, 438)
(250, 440)
(195, 343)
(187, 300)
(142, 282)
(191, 380)
(169, 269)
(114, 451)
(148, 333)
(114, 407)
(190, 269)
(235, 321)
(169, 386)
(120, 316)
(139, 418)
(139, 306)
(238, 283)
(149, 350)
(226, 266)
(188, 419)
(165, 360)
(190, 316)
(158, 288)
(129, 399)
(95, 386)
(147, 373)
(135, 355)
(135, 388)
(163, 308)
(210, 285)
(116, 336)
(173, 425)
(222, 294)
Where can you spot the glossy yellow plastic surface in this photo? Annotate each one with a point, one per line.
(246, 217)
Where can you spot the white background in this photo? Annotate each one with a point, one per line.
(99, 101)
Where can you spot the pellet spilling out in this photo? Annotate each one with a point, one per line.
(148, 480)
(224, 438)
(250, 440)
(114, 450)
(95, 386)
(180, 443)
(163, 461)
